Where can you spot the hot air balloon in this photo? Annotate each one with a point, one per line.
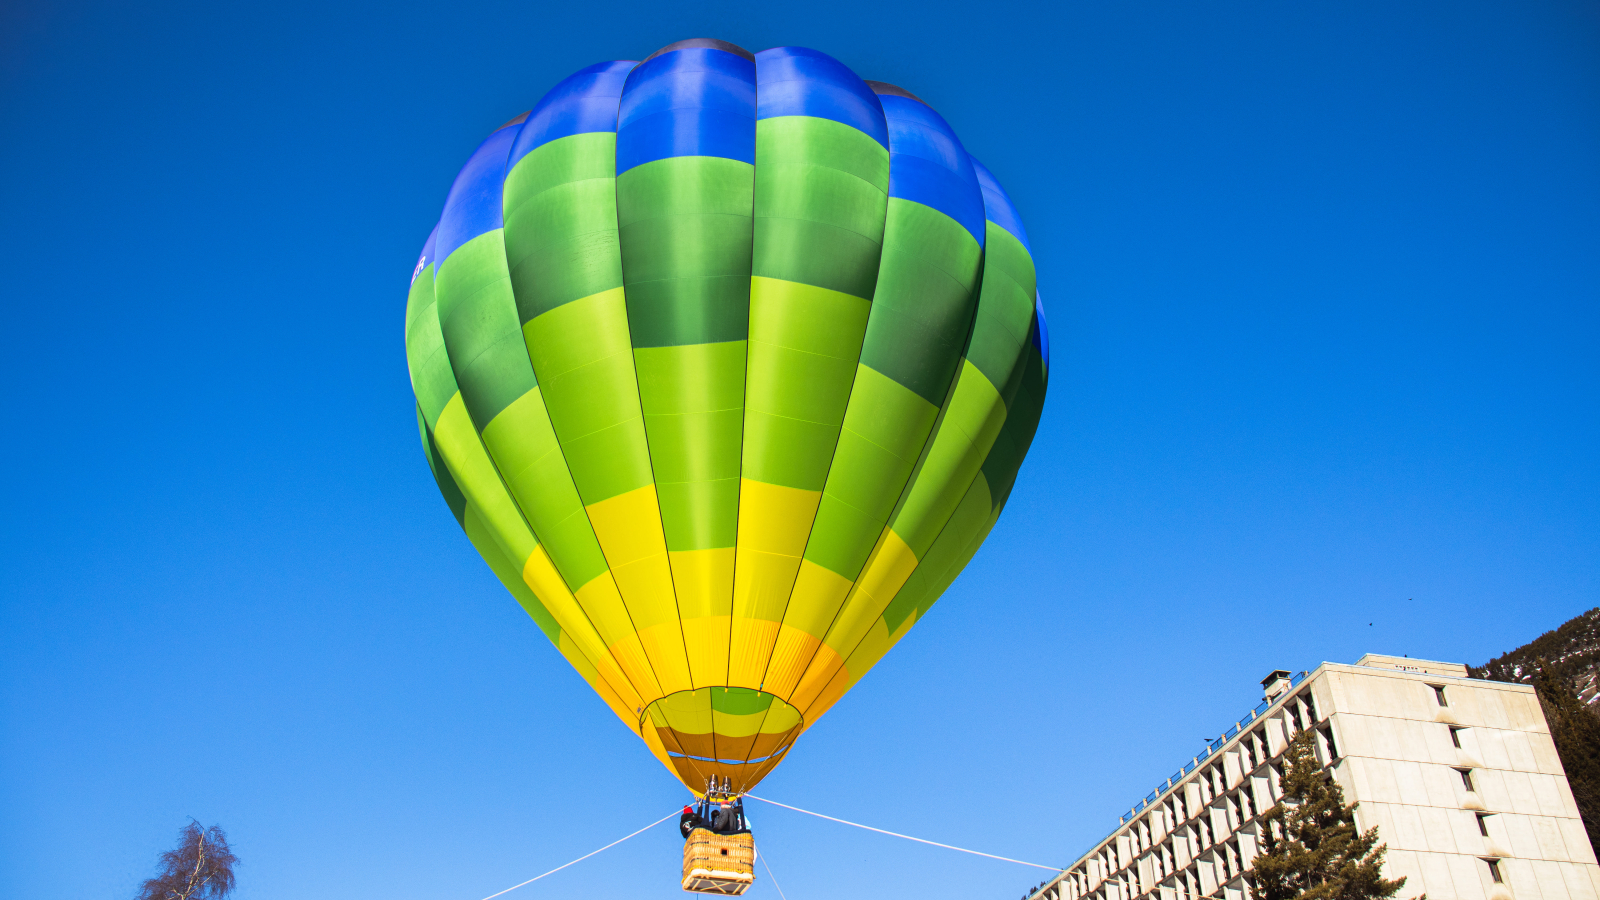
(726, 364)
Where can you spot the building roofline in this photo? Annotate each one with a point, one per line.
(1266, 708)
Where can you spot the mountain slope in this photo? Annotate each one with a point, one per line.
(1571, 651)
(1562, 665)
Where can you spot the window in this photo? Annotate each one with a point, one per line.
(1483, 824)
(1494, 871)
(1333, 749)
(1455, 738)
(1438, 694)
(1466, 779)
(1311, 708)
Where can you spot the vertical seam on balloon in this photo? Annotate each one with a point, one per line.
(905, 490)
(832, 457)
(561, 448)
(949, 398)
(609, 573)
(821, 638)
(852, 593)
(638, 393)
(763, 769)
(744, 389)
(539, 542)
(1022, 354)
(1025, 446)
(515, 502)
(927, 447)
(765, 714)
(683, 754)
(711, 717)
(942, 528)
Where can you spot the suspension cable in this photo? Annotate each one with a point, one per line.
(906, 836)
(587, 855)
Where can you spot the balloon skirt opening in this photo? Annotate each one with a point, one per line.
(732, 734)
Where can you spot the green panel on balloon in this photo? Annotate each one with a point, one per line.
(884, 430)
(432, 379)
(1005, 460)
(820, 199)
(478, 316)
(475, 474)
(927, 285)
(971, 516)
(808, 141)
(921, 312)
(523, 445)
(561, 223)
(804, 342)
(448, 488)
(510, 574)
(586, 373)
(970, 422)
(685, 230)
(1005, 311)
(693, 398)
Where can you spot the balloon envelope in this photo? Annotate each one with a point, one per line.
(726, 364)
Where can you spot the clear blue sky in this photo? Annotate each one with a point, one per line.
(1324, 284)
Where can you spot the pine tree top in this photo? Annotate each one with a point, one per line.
(1311, 849)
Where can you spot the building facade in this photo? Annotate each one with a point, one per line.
(1460, 775)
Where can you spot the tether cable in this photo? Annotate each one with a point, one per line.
(763, 857)
(906, 836)
(587, 855)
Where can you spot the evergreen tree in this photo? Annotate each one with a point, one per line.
(1576, 732)
(1310, 847)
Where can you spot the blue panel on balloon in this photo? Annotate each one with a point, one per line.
(699, 101)
(928, 165)
(426, 258)
(1041, 334)
(796, 81)
(997, 205)
(473, 206)
(585, 102)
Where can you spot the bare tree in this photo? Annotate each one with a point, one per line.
(199, 868)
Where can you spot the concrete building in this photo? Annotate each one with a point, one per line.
(1460, 776)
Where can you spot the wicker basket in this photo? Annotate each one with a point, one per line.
(718, 863)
